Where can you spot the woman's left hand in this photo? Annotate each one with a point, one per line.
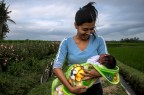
(89, 74)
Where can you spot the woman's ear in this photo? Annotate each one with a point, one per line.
(76, 26)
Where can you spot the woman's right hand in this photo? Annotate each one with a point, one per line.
(90, 74)
(78, 89)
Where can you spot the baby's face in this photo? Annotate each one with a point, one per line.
(101, 58)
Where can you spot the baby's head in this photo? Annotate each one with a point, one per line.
(107, 60)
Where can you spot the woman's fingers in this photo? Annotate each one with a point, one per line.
(90, 66)
(83, 89)
(86, 71)
(91, 73)
(79, 89)
(86, 78)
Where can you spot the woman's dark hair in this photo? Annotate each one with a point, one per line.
(86, 14)
(109, 61)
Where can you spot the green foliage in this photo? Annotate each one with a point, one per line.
(21, 77)
(11, 85)
(132, 69)
(26, 61)
(29, 58)
(8, 54)
(4, 17)
(129, 53)
(134, 77)
(17, 51)
(135, 39)
(37, 49)
(43, 89)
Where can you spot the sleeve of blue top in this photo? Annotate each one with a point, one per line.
(102, 49)
(61, 54)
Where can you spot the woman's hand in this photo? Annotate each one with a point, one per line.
(89, 74)
(78, 89)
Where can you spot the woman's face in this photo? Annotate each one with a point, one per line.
(85, 30)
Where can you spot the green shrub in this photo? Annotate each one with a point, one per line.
(21, 77)
(134, 77)
(43, 89)
(11, 85)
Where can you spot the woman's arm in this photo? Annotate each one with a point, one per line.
(59, 73)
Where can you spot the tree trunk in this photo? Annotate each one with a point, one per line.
(1, 32)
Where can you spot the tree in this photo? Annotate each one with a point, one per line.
(135, 39)
(4, 17)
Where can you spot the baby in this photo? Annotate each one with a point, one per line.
(76, 77)
(103, 59)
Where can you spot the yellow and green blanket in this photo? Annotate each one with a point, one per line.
(73, 74)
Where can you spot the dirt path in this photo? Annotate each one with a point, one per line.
(120, 89)
(109, 90)
(128, 89)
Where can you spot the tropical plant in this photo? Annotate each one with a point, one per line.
(4, 17)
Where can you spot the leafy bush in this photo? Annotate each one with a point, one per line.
(11, 85)
(8, 55)
(16, 51)
(43, 89)
(134, 77)
(21, 77)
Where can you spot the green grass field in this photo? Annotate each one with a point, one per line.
(131, 54)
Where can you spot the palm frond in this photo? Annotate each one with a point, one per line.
(4, 17)
(11, 21)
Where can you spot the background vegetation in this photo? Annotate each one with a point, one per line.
(130, 56)
(22, 63)
(4, 18)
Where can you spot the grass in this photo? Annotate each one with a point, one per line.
(131, 54)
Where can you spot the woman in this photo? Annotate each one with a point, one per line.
(79, 48)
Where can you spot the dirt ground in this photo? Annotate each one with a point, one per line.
(110, 89)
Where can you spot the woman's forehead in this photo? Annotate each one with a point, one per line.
(88, 25)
